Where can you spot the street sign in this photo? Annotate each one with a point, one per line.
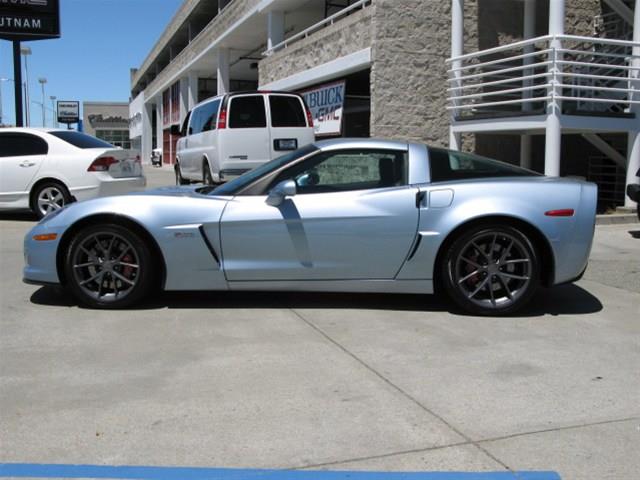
(68, 111)
(29, 19)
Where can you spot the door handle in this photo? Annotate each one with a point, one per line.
(27, 163)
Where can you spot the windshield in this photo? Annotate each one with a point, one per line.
(230, 188)
(80, 140)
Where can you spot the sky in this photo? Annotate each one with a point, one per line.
(101, 40)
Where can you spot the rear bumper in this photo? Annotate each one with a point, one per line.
(107, 186)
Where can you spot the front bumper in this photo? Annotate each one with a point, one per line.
(40, 257)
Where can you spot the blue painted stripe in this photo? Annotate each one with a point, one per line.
(34, 470)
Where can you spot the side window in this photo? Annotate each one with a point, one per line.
(345, 170)
(183, 130)
(286, 111)
(210, 116)
(196, 121)
(247, 112)
(448, 165)
(21, 144)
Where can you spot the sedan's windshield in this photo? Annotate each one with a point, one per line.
(230, 188)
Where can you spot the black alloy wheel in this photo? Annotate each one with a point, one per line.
(49, 197)
(491, 270)
(108, 266)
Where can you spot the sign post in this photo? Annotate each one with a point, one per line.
(68, 112)
(27, 20)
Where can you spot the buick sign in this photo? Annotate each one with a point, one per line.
(29, 19)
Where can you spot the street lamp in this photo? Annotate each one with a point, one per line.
(25, 51)
(54, 120)
(42, 81)
(2, 79)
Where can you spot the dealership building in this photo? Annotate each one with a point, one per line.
(552, 85)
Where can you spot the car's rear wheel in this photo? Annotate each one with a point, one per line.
(207, 178)
(180, 180)
(48, 197)
(108, 266)
(491, 270)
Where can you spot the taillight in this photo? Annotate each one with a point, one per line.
(101, 164)
(309, 116)
(565, 212)
(222, 118)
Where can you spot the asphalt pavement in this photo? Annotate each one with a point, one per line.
(326, 381)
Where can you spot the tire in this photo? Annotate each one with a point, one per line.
(207, 178)
(108, 266)
(180, 180)
(491, 270)
(48, 197)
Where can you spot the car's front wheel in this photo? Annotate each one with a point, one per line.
(48, 197)
(108, 266)
(491, 270)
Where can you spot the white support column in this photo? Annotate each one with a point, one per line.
(553, 127)
(457, 49)
(193, 89)
(145, 141)
(223, 70)
(159, 129)
(529, 31)
(275, 29)
(184, 98)
(633, 146)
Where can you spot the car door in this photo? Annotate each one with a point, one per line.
(353, 217)
(21, 156)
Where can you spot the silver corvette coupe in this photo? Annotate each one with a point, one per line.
(346, 215)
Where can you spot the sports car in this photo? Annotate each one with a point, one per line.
(347, 215)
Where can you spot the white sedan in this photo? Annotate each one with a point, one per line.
(44, 169)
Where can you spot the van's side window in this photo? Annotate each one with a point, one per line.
(210, 116)
(183, 129)
(196, 125)
(247, 112)
(286, 111)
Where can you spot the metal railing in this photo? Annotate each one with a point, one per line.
(330, 20)
(587, 74)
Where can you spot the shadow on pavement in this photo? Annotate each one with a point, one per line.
(21, 216)
(562, 300)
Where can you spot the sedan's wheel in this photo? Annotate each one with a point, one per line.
(48, 197)
(180, 180)
(207, 178)
(108, 267)
(491, 271)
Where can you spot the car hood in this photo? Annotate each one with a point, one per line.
(172, 191)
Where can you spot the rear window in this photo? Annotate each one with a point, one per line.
(80, 140)
(247, 112)
(286, 111)
(447, 165)
(21, 144)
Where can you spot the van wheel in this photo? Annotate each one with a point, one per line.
(180, 180)
(207, 178)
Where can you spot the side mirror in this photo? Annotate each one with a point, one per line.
(175, 130)
(286, 188)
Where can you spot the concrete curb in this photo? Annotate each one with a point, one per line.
(616, 219)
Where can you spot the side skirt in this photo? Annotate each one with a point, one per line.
(356, 286)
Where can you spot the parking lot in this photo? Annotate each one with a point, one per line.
(326, 381)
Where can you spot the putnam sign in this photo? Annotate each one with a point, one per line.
(29, 19)
(326, 103)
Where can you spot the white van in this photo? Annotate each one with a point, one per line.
(225, 136)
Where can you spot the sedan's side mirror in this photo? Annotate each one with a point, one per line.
(286, 188)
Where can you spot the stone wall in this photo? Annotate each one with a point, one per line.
(348, 35)
(409, 73)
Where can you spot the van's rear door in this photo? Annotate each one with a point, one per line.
(289, 129)
(244, 144)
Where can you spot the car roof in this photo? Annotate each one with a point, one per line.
(245, 92)
(33, 129)
(341, 142)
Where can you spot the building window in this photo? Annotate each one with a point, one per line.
(119, 138)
